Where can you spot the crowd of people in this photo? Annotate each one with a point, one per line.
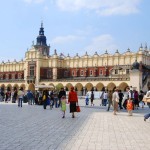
(129, 100)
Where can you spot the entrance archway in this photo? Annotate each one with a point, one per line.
(89, 86)
(99, 86)
(123, 86)
(59, 86)
(79, 88)
(68, 86)
(111, 86)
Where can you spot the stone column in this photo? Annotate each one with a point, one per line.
(136, 79)
(54, 73)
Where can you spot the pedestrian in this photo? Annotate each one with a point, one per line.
(101, 98)
(129, 107)
(56, 99)
(87, 99)
(141, 95)
(7, 96)
(14, 97)
(52, 99)
(105, 97)
(30, 97)
(120, 99)
(92, 98)
(147, 96)
(20, 97)
(136, 99)
(110, 93)
(129, 101)
(63, 105)
(115, 100)
(44, 98)
(61, 93)
(73, 100)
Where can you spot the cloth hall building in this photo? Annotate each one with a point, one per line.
(98, 72)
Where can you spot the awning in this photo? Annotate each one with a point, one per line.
(44, 87)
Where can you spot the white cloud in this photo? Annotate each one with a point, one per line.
(34, 1)
(101, 43)
(65, 39)
(102, 7)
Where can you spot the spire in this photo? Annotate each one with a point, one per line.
(106, 52)
(41, 32)
(41, 39)
(128, 50)
(117, 51)
(141, 48)
(86, 54)
(95, 53)
(55, 52)
(146, 46)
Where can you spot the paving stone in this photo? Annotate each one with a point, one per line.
(33, 128)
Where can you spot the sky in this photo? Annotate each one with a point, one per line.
(74, 26)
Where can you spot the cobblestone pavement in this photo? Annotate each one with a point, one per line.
(33, 128)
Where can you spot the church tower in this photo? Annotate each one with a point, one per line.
(41, 44)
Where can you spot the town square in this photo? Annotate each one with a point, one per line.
(75, 75)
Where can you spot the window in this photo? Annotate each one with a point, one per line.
(31, 70)
(13, 76)
(101, 72)
(116, 71)
(82, 73)
(19, 76)
(1, 76)
(72, 73)
(7, 76)
(48, 73)
(127, 71)
(91, 72)
(66, 74)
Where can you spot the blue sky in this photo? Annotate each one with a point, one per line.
(74, 26)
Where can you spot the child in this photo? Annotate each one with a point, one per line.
(63, 105)
(129, 107)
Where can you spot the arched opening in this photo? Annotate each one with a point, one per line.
(123, 86)
(9, 87)
(59, 86)
(89, 86)
(53, 87)
(16, 87)
(111, 86)
(68, 86)
(100, 86)
(79, 88)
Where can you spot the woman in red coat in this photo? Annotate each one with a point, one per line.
(73, 100)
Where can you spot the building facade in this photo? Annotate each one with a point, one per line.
(85, 73)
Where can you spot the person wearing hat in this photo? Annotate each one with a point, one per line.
(73, 100)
